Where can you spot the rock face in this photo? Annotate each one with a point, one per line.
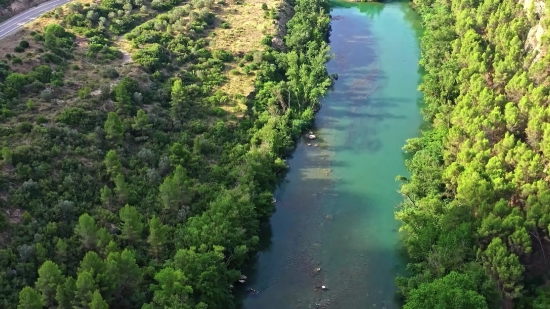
(534, 37)
(285, 14)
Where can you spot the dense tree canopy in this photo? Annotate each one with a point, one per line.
(475, 216)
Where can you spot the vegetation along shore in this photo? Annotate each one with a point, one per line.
(476, 213)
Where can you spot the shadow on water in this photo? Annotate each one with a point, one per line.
(371, 9)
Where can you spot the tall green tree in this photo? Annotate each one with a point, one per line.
(87, 231)
(29, 298)
(158, 236)
(114, 128)
(132, 225)
(49, 278)
(98, 302)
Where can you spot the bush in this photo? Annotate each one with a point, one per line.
(110, 73)
(24, 44)
(41, 119)
(46, 95)
(222, 55)
(225, 25)
(235, 72)
(24, 127)
(248, 57)
(84, 93)
(71, 116)
(18, 49)
(30, 104)
(267, 40)
(36, 86)
(38, 37)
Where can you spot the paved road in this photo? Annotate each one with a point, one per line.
(15, 23)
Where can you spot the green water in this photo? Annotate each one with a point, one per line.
(335, 210)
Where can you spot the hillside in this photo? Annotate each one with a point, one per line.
(476, 216)
(141, 142)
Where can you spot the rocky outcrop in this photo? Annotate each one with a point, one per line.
(537, 10)
(284, 15)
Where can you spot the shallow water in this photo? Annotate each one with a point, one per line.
(335, 209)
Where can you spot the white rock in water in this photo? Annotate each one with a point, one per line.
(311, 136)
(241, 281)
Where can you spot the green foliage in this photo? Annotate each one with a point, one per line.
(452, 291)
(29, 298)
(478, 181)
(151, 57)
(114, 128)
(56, 37)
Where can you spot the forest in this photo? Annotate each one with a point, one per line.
(146, 189)
(476, 213)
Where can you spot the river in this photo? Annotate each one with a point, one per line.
(335, 208)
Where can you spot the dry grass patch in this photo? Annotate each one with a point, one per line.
(247, 28)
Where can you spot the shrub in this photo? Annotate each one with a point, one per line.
(30, 104)
(110, 73)
(267, 40)
(235, 72)
(71, 115)
(248, 57)
(46, 95)
(18, 49)
(36, 86)
(38, 37)
(41, 119)
(84, 93)
(225, 25)
(24, 127)
(222, 55)
(24, 44)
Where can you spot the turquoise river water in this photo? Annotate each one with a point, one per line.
(335, 209)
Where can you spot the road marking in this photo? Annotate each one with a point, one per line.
(11, 24)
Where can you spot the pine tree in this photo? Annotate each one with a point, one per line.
(49, 278)
(87, 230)
(65, 294)
(85, 284)
(158, 235)
(141, 122)
(98, 302)
(114, 128)
(132, 226)
(29, 298)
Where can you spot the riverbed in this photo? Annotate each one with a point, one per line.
(334, 223)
